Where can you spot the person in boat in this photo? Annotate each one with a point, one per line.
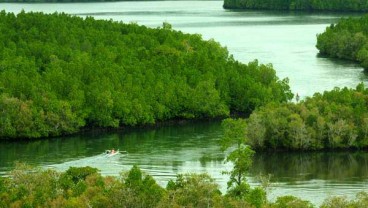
(297, 97)
(112, 151)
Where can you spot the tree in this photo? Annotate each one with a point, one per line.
(192, 190)
(141, 190)
(240, 156)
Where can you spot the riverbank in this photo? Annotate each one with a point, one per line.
(346, 40)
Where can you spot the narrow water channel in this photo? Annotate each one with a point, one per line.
(167, 151)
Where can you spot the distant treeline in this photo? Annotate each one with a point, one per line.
(336, 119)
(59, 73)
(348, 39)
(309, 5)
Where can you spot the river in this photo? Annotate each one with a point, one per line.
(287, 40)
(194, 147)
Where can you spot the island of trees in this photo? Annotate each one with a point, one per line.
(346, 40)
(307, 5)
(60, 73)
(336, 119)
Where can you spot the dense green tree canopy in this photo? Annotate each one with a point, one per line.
(335, 119)
(348, 39)
(309, 5)
(59, 73)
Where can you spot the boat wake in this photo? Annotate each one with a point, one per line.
(107, 163)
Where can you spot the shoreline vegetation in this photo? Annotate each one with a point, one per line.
(299, 5)
(333, 120)
(346, 40)
(86, 187)
(60, 73)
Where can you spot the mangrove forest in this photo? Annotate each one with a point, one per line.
(336, 119)
(60, 73)
(346, 40)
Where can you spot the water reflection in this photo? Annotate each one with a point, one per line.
(151, 148)
(194, 147)
(314, 176)
(329, 166)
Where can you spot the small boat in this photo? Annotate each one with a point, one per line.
(110, 153)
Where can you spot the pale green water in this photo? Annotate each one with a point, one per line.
(285, 39)
(167, 151)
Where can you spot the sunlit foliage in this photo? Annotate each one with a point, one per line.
(335, 119)
(59, 73)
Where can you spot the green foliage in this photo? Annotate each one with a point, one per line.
(142, 190)
(336, 202)
(361, 200)
(60, 73)
(257, 197)
(291, 202)
(242, 161)
(234, 133)
(309, 5)
(73, 180)
(192, 190)
(346, 40)
(80, 173)
(241, 156)
(333, 120)
(30, 187)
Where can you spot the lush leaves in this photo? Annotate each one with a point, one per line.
(192, 190)
(348, 39)
(334, 119)
(27, 187)
(59, 73)
(240, 156)
(291, 202)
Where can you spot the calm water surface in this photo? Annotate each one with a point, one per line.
(287, 40)
(167, 151)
